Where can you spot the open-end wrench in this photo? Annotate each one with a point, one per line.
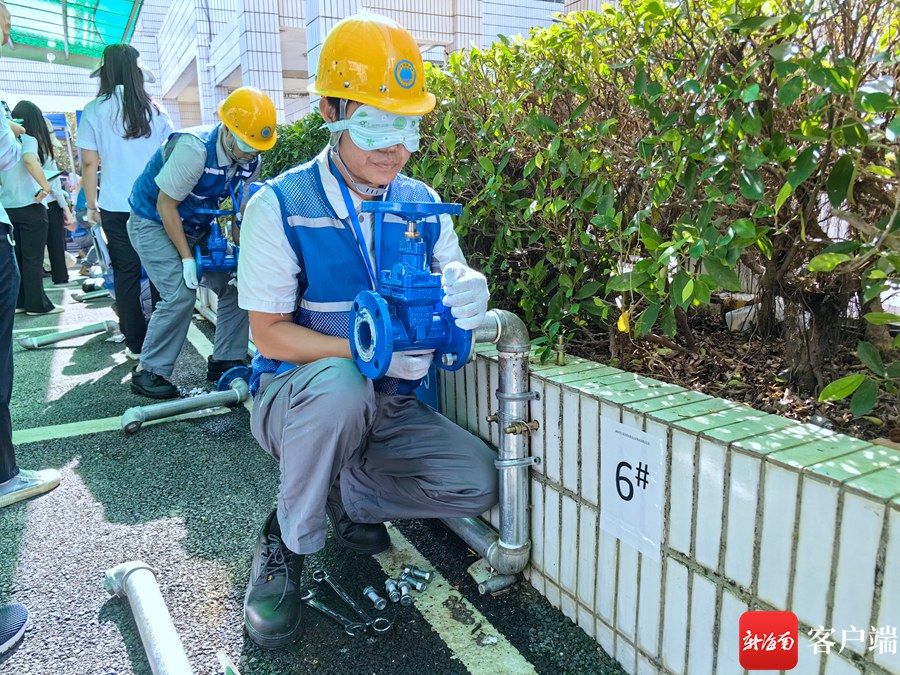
(351, 628)
(379, 625)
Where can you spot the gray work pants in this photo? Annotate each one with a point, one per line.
(171, 318)
(394, 456)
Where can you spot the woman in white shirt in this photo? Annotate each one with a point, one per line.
(121, 128)
(22, 189)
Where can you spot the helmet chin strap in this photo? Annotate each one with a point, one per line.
(358, 186)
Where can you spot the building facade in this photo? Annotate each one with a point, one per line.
(203, 49)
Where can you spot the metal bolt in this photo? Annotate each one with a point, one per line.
(416, 573)
(379, 602)
(391, 587)
(405, 597)
(418, 584)
(448, 359)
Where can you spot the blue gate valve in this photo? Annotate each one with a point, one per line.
(220, 256)
(406, 312)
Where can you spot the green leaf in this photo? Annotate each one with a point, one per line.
(842, 388)
(784, 51)
(744, 229)
(751, 185)
(692, 87)
(882, 318)
(790, 90)
(750, 94)
(687, 292)
(486, 165)
(646, 320)
(723, 275)
(838, 185)
(783, 194)
(626, 282)
(892, 133)
(870, 357)
(804, 166)
(589, 290)
(649, 236)
(864, 398)
(667, 321)
(826, 262)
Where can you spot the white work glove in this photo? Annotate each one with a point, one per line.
(189, 272)
(466, 294)
(93, 216)
(412, 365)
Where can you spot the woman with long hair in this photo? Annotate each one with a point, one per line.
(59, 216)
(120, 130)
(23, 188)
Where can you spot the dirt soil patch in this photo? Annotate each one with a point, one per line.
(749, 369)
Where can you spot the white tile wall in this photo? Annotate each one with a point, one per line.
(681, 501)
(710, 497)
(861, 524)
(590, 449)
(650, 601)
(552, 431)
(569, 542)
(587, 555)
(627, 590)
(814, 551)
(675, 620)
(569, 440)
(743, 491)
(889, 614)
(776, 544)
(551, 533)
(729, 618)
(606, 577)
(703, 620)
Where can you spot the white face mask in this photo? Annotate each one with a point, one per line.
(374, 129)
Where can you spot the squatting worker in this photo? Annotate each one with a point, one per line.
(361, 452)
(194, 170)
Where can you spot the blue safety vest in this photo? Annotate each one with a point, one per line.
(212, 187)
(333, 270)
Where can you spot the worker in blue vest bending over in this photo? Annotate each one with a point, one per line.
(356, 451)
(193, 171)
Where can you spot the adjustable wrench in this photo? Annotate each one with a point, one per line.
(352, 628)
(379, 625)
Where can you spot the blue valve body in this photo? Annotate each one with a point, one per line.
(406, 313)
(220, 257)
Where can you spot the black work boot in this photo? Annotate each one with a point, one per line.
(370, 538)
(151, 385)
(273, 611)
(216, 368)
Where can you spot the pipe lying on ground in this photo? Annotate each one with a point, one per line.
(508, 551)
(235, 392)
(53, 338)
(135, 581)
(92, 295)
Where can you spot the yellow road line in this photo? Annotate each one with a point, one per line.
(480, 647)
(97, 426)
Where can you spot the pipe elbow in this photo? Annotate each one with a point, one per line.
(508, 560)
(513, 333)
(28, 342)
(114, 579)
(132, 419)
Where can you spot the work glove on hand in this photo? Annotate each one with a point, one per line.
(189, 272)
(93, 216)
(466, 294)
(412, 365)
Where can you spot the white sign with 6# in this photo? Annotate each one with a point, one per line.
(631, 486)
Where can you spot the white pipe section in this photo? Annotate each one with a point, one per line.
(135, 580)
(53, 338)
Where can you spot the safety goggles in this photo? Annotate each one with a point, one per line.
(374, 129)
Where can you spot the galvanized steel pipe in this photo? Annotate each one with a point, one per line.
(136, 582)
(53, 338)
(133, 418)
(509, 551)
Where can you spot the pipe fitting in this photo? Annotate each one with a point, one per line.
(522, 427)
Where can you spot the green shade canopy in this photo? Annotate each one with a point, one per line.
(74, 31)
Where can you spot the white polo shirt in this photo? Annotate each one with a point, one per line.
(102, 129)
(267, 275)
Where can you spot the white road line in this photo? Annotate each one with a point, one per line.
(480, 647)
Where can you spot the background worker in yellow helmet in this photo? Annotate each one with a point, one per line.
(193, 171)
(357, 451)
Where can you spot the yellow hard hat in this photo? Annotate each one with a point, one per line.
(250, 115)
(372, 59)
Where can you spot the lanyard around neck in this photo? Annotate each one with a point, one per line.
(357, 229)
